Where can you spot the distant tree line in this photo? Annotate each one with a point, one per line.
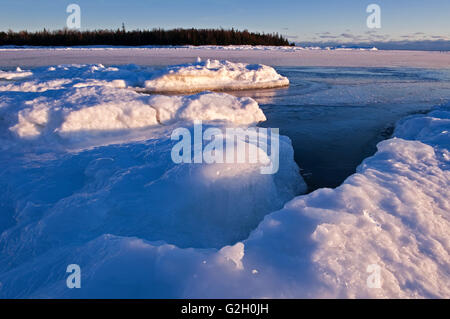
(192, 36)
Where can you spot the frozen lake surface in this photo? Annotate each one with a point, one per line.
(88, 178)
(280, 56)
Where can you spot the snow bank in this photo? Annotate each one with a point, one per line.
(215, 75)
(75, 101)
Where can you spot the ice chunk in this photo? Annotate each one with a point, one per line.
(207, 107)
(12, 75)
(234, 253)
(109, 117)
(215, 75)
(31, 121)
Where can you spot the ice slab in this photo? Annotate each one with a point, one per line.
(215, 75)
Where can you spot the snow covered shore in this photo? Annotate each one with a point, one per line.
(88, 179)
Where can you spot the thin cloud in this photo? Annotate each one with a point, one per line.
(424, 45)
(375, 36)
(328, 37)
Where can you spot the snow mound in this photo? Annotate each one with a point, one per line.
(215, 75)
(207, 107)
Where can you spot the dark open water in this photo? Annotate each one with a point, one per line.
(336, 116)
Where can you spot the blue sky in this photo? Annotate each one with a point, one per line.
(307, 21)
